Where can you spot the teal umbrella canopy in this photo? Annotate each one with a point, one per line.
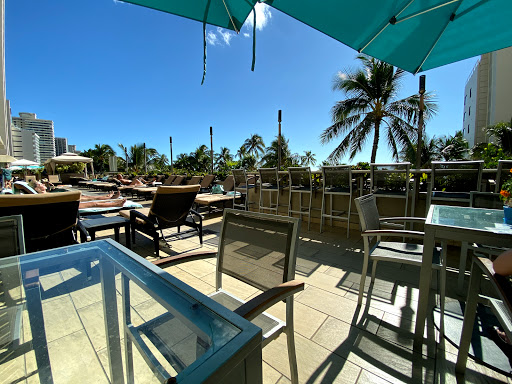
(229, 14)
(415, 35)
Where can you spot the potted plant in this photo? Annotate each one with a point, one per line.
(506, 196)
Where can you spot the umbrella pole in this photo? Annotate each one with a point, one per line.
(279, 141)
(420, 122)
(170, 142)
(211, 146)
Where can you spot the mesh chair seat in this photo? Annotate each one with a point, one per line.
(406, 253)
(268, 323)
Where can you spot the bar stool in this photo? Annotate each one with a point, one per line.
(337, 181)
(269, 184)
(391, 181)
(300, 183)
(242, 185)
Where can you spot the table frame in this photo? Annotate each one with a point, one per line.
(440, 232)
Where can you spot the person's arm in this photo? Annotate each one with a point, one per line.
(503, 263)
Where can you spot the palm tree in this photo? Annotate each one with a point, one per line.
(100, 155)
(223, 157)
(242, 151)
(429, 152)
(371, 106)
(254, 145)
(270, 159)
(502, 134)
(454, 147)
(308, 158)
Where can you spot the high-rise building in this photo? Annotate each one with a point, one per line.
(488, 95)
(25, 144)
(61, 145)
(72, 148)
(44, 128)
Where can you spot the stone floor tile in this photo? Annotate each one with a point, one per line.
(270, 375)
(315, 363)
(60, 318)
(369, 378)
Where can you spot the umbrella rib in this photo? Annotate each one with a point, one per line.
(419, 13)
(230, 18)
(437, 40)
(391, 21)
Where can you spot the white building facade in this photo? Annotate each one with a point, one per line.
(25, 144)
(488, 95)
(44, 129)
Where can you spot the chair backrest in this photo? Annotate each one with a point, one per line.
(300, 177)
(390, 178)
(240, 178)
(169, 180)
(488, 200)
(178, 180)
(24, 187)
(337, 179)
(207, 181)
(503, 174)
(194, 180)
(229, 183)
(12, 240)
(48, 219)
(269, 177)
(368, 213)
(456, 176)
(30, 179)
(171, 204)
(54, 179)
(258, 249)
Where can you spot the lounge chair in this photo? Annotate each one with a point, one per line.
(178, 180)
(171, 208)
(194, 180)
(206, 183)
(54, 179)
(169, 180)
(259, 250)
(49, 220)
(217, 200)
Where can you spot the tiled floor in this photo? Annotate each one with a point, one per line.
(336, 342)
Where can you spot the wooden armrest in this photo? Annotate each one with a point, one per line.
(260, 303)
(394, 232)
(413, 219)
(190, 256)
(501, 283)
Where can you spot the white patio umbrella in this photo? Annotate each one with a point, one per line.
(23, 163)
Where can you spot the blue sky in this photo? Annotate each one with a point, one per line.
(109, 72)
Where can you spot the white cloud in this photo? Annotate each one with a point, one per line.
(211, 38)
(342, 76)
(246, 34)
(226, 35)
(263, 15)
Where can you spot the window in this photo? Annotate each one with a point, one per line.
(469, 92)
(469, 111)
(465, 96)
(464, 118)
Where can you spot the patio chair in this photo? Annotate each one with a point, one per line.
(49, 220)
(502, 174)
(397, 252)
(487, 200)
(206, 183)
(194, 180)
(178, 180)
(452, 181)
(242, 185)
(169, 180)
(500, 305)
(260, 250)
(54, 179)
(337, 181)
(391, 181)
(171, 207)
(269, 184)
(300, 183)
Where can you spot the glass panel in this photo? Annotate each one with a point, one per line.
(74, 303)
(474, 218)
(390, 178)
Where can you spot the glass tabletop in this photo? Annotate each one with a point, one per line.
(66, 314)
(471, 218)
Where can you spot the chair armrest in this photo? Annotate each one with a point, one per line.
(194, 212)
(394, 232)
(260, 303)
(189, 256)
(136, 214)
(412, 219)
(501, 283)
(84, 235)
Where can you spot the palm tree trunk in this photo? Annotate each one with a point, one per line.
(375, 141)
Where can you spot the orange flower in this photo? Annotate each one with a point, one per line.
(505, 194)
